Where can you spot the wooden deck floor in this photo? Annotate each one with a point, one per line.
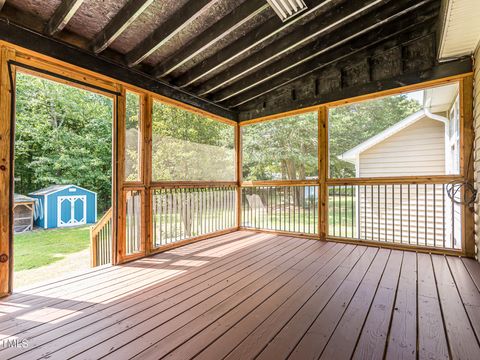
(246, 295)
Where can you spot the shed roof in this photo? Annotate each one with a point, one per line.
(56, 188)
(352, 154)
(18, 199)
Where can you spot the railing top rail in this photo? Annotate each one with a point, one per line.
(101, 223)
(440, 179)
(310, 182)
(188, 184)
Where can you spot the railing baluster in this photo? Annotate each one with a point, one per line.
(425, 196)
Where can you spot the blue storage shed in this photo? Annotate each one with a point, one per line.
(65, 205)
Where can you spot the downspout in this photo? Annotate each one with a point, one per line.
(445, 121)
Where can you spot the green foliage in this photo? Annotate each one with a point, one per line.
(350, 125)
(132, 145)
(63, 135)
(43, 247)
(285, 149)
(188, 146)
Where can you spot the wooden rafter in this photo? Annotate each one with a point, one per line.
(119, 23)
(325, 52)
(227, 25)
(64, 13)
(267, 30)
(174, 24)
(296, 39)
(44, 45)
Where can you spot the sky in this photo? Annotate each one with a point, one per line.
(416, 95)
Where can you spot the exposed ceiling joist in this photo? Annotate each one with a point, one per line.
(62, 16)
(42, 44)
(174, 24)
(296, 70)
(270, 28)
(239, 16)
(310, 54)
(119, 23)
(326, 24)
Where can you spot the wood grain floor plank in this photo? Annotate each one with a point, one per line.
(373, 338)
(402, 341)
(249, 295)
(247, 317)
(174, 292)
(123, 330)
(343, 340)
(432, 340)
(469, 293)
(461, 337)
(315, 339)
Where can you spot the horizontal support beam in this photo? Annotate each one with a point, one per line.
(42, 44)
(372, 30)
(236, 18)
(63, 14)
(172, 26)
(436, 72)
(300, 37)
(119, 23)
(267, 30)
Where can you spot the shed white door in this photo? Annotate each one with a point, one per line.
(72, 210)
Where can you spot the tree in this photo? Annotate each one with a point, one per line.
(281, 149)
(63, 135)
(350, 125)
(188, 146)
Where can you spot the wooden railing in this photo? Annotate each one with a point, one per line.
(101, 240)
(417, 215)
(292, 208)
(183, 213)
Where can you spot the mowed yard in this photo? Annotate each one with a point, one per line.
(40, 255)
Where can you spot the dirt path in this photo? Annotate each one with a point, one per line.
(71, 263)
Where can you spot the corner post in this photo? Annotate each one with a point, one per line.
(7, 79)
(466, 160)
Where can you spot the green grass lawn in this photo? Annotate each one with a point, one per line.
(43, 247)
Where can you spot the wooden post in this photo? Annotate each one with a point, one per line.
(146, 126)
(6, 171)
(466, 161)
(238, 173)
(323, 172)
(118, 225)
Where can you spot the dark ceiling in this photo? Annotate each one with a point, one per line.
(236, 57)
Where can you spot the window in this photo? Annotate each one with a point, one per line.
(190, 147)
(409, 134)
(284, 149)
(132, 137)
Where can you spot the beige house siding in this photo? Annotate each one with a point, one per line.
(476, 116)
(415, 214)
(418, 149)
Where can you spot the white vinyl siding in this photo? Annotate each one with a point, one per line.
(417, 214)
(418, 149)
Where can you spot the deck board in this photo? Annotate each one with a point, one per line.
(249, 295)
